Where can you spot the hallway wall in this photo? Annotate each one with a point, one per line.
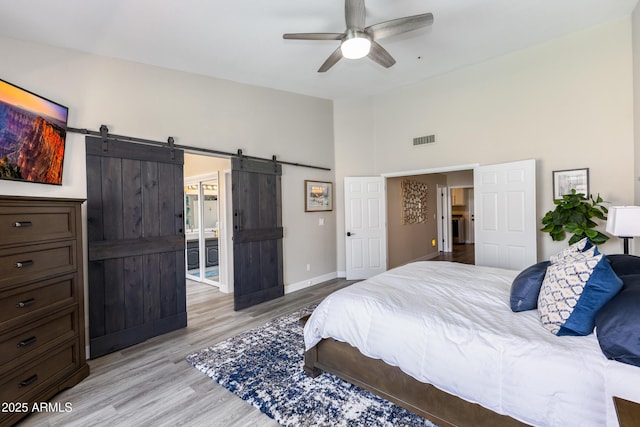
(411, 242)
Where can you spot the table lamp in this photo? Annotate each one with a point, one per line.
(624, 222)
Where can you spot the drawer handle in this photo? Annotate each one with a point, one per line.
(26, 303)
(27, 342)
(21, 264)
(19, 224)
(32, 379)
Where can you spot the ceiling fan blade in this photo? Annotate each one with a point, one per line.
(354, 14)
(399, 26)
(331, 60)
(380, 55)
(313, 36)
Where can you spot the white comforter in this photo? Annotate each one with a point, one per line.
(450, 325)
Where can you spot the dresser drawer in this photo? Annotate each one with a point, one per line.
(24, 383)
(42, 333)
(21, 304)
(24, 224)
(28, 263)
(18, 345)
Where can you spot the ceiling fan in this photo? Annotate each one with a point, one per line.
(359, 41)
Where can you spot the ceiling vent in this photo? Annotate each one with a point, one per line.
(429, 139)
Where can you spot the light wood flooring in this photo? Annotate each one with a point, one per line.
(151, 384)
(463, 253)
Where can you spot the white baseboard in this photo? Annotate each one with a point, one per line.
(292, 287)
(342, 274)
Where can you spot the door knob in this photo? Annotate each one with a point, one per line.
(350, 233)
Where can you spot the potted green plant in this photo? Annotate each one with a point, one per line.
(574, 213)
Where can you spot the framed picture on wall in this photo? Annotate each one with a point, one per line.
(571, 179)
(318, 196)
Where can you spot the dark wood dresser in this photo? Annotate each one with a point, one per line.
(42, 335)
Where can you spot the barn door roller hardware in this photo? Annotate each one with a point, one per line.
(106, 136)
(171, 143)
(104, 132)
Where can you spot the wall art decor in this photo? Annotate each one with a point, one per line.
(414, 202)
(318, 196)
(33, 130)
(571, 179)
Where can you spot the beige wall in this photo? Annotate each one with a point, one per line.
(154, 103)
(354, 156)
(568, 103)
(411, 242)
(635, 22)
(463, 178)
(195, 164)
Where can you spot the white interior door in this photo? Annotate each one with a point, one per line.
(505, 215)
(365, 226)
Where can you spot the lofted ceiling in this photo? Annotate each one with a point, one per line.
(241, 40)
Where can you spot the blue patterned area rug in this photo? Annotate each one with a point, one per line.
(264, 367)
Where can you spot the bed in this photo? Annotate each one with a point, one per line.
(440, 339)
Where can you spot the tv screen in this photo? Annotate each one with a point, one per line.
(32, 136)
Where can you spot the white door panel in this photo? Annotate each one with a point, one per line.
(505, 214)
(365, 226)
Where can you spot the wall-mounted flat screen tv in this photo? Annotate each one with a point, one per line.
(33, 130)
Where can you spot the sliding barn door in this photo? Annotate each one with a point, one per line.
(136, 243)
(257, 231)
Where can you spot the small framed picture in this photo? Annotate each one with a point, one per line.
(318, 196)
(572, 179)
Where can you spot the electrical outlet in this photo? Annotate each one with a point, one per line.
(308, 267)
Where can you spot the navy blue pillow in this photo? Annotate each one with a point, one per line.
(624, 264)
(526, 287)
(618, 323)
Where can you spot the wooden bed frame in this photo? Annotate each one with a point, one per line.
(389, 382)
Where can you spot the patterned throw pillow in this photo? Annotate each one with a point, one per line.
(573, 292)
(574, 250)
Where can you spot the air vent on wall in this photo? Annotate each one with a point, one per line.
(429, 139)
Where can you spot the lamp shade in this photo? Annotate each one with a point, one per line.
(624, 221)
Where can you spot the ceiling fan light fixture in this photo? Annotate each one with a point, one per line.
(355, 46)
(360, 40)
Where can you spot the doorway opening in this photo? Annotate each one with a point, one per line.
(449, 224)
(462, 217)
(202, 230)
(205, 220)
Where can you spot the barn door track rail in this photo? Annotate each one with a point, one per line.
(170, 144)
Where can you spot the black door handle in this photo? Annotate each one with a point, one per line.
(350, 234)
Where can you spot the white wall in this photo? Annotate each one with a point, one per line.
(153, 103)
(568, 103)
